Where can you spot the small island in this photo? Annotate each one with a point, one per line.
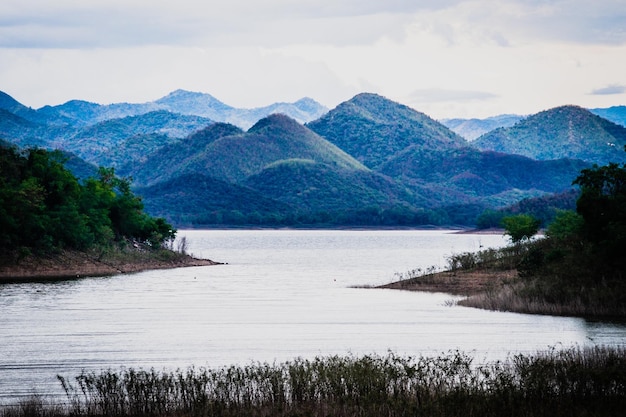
(55, 226)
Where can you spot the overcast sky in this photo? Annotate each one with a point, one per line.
(445, 58)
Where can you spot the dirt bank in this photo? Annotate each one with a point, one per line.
(459, 282)
(75, 264)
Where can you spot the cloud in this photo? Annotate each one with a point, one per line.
(609, 90)
(518, 22)
(275, 23)
(118, 23)
(438, 95)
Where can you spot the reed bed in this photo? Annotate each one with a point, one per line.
(573, 382)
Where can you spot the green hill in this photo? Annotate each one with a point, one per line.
(562, 132)
(195, 199)
(616, 114)
(100, 142)
(373, 129)
(312, 186)
(172, 159)
(464, 174)
(234, 157)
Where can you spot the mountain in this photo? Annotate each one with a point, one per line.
(312, 186)
(464, 175)
(11, 105)
(172, 159)
(370, 161)
(160, 122)
(79, 113)
(186, 102)
(471, 129)
(302, 178)
(22, 132)
(373, 129)
(562, 132)
(234, 157)
(196, 199)
(82, 113)
(616, 114)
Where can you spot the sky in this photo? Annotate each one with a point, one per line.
(445, 58)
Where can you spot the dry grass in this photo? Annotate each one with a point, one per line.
(572, 382)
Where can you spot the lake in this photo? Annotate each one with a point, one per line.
(282, 294)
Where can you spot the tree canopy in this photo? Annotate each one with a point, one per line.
(602, 205)
(520, 227)
(44, 207)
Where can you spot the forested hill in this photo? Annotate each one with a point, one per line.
(369, 161)
(562, 132)
(232, 155)
(374, 129)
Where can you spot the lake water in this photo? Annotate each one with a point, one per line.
(283, 294)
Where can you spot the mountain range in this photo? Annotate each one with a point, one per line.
(369, 161)
(580, 135)
(471, 129)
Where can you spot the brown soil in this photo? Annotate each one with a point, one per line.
(459, 282)
(74, 264)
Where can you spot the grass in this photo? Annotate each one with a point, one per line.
(572, 382)
(543, 276)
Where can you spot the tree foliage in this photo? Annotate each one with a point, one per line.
(44, 207)
(520, 227)
(602, 205)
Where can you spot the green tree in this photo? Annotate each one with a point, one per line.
(567, 224)
(489, 218)
(44, 207)
(602, 205)
(520, 227)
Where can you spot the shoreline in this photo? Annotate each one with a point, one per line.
(465, 283)
(76, 264)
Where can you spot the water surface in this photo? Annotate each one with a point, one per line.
(283, 294)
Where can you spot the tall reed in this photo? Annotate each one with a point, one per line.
(572, 382)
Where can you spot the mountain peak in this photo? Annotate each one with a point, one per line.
(277, 122)
(189, 102)
(561, 132)
(12, 105)
(373, 129)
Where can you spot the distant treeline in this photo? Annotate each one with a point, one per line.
(44, 207)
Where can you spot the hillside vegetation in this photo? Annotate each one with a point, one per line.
(44, 209)
(373, 129)
(369, 161)
(562, 132)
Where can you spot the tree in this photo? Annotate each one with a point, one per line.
(520, 227)
(567, 224)
(602, 205)
(43, 207)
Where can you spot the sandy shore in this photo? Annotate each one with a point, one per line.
(74, 264)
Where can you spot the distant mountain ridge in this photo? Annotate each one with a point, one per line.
(369, 161)
(562, 132)
(471, 129)
(81, 113)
